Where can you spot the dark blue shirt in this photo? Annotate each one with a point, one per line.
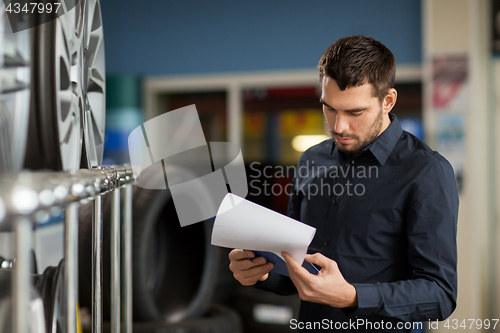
(388, 217)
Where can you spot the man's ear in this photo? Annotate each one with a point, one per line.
(389, 100)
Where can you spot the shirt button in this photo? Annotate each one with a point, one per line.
(326, 243)
(334, 202)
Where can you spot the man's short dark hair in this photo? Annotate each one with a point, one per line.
(355, 60)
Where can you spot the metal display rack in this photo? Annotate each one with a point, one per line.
(27, 197)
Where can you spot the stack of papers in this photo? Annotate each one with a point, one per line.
(243, 224)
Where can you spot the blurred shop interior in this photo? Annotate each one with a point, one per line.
(250, 69)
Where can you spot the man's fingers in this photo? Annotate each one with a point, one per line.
(257, 272)
(253, 274)
(295, 267)
(289, 258)
(239, 254)
(320, 260)
(290, 262)
(247, 268)
(244, 263)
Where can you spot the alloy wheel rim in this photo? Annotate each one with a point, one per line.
(69, 87)
(76, 112)
(15, 79)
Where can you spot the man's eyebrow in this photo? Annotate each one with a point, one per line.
(350, 110)
(325, 104)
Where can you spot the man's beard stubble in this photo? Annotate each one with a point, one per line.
(370, 138)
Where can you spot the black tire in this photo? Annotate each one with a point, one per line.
(6, 315)
(219, 319)
(7, 304)
(50, 286)
(174, 268)
(6, 300)
(46, 289)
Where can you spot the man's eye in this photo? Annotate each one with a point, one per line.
(355, 114)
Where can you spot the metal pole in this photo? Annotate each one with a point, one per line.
(22, 284)
(115, 262)
(71, 265)
(127, 259)
(97, 265)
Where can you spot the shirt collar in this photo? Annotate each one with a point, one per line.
(382, 147)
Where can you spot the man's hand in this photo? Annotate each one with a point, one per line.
(246, 271)
(328, 287)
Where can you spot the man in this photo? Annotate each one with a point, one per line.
(385, 239)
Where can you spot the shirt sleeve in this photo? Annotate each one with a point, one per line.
(431, 292)
(278, 284)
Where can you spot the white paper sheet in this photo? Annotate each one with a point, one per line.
(245, 225)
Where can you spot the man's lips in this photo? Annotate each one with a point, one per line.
(344, 141)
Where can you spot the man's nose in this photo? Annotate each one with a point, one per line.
(341, 123)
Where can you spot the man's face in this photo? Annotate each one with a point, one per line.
(355, 117)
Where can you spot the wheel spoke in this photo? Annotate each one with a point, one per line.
(96, 86)
(63, 4)
(95, 44)
(96, 83)
(66, 99)
(67, 147)
(96, 18)
(13, 61)
(64, 41)
(90, 144)
(64, 74)
(68, 134)
(14, 87)
(97, 130)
